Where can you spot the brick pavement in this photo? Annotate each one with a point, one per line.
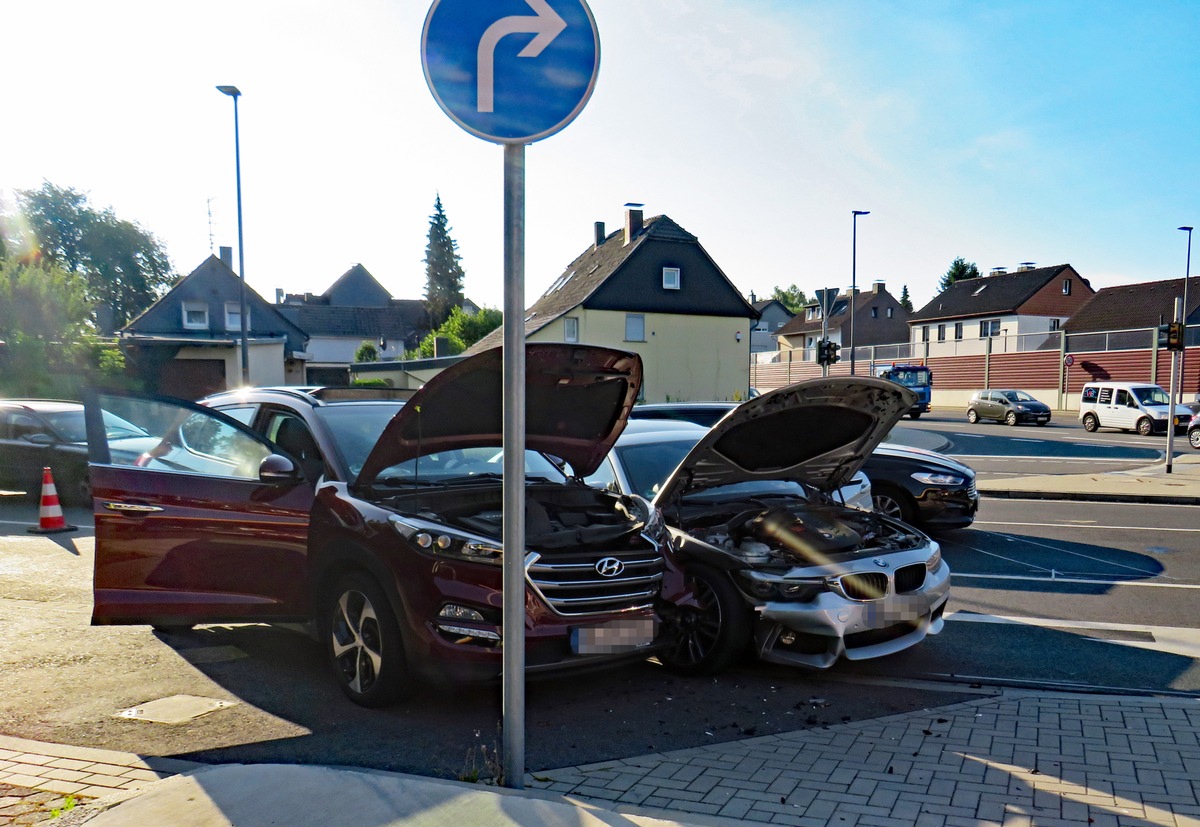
(35, 777)
(1022, 758)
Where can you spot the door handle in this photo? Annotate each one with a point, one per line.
(132, 508)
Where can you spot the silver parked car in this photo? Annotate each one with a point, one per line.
(1012, 407)
(771, 555)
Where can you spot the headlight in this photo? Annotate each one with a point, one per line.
(934, 478)
(437, 540)
(1021, 408)
(935, 557)
(801, 590)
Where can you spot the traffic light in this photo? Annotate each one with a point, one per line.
(831, 352)
(1175, 336)
(823, 352)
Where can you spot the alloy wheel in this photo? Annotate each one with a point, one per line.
(1010, 418)
(972, 417)
(357, 642)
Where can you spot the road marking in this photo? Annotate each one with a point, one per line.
(1079, 581)
(1172, 639)
(1074, 525)
(1106, 504)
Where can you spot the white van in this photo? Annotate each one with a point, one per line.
(1129, 406)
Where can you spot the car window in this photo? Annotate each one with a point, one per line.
(462, 465)
(355, 429)
(1105, 396)
(242, 413)
(603, 477)
(1123, 397)
(1090, 394)
(180, 438)
(23, 426)
(1152, 396)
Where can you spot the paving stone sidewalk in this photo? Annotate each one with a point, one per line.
(1018, 759)
(36, 777)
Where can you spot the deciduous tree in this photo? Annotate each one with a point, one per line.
(792, 298)
(124, 267)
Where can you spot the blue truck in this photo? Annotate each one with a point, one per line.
(917, 378)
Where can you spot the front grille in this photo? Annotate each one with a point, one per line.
(971, 490)
(869, 586)
(571, 584)
(910, 578)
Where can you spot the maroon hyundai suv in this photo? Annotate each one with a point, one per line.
(380, 520)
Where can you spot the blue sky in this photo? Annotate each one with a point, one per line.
(998, 131)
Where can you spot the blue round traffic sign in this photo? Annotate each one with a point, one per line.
(511, 71)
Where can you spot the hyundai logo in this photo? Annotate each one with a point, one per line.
(609, 567)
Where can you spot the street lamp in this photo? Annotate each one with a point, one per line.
(854, 279)
(1187, 274)
(233, 92)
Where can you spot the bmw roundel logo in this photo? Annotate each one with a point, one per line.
(879, 561)
(609, 567)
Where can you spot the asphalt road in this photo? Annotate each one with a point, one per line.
(1044, 593)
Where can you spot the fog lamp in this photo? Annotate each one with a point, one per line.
(452, 611)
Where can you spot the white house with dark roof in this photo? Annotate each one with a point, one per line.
(652, 289)
(355, 309)
(1032, 301)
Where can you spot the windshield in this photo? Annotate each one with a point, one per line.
(465, 465)
(1152, 395)
(355, 429)
(909, 378)
(1018, 396)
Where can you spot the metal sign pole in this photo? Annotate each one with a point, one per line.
(514, 466)
(1175, 354)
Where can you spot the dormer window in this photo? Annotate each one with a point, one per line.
(195, 316)
(1066, 287)
(671, 278)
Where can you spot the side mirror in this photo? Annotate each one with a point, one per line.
(278, 469)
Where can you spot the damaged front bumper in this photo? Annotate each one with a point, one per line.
(816, 634)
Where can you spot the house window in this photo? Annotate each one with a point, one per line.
(874, 312)
(958, 331)
(570, 329)
(195, 316)
(891, 312)
(941, 333)
(233, 316)
(989, 327)
(1066, 287)
(635, 327)
(670, 278)
(925, 333)
(1055, 324)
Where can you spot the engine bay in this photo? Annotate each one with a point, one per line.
(766, 535)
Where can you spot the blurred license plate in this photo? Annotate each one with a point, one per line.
(614, 636)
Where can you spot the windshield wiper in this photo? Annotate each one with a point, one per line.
(413, 482)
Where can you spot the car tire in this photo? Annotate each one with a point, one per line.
(891, 501)
(1194, 438)
(1145, 427)
(363, 643)
(915, 414)
(1010, 418)
(972, 416)
(1090, 423)
(705, 639)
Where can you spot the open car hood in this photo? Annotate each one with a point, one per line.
(818, 432)
(577, 402)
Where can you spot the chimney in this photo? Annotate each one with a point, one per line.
(278, 295)
(600, 234)
(879, 287)
(1026, 265)
(999, 271)
(633, 221)
(227, 257)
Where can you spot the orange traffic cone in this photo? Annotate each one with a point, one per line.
(50, 517)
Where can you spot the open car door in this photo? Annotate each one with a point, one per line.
(198, 519)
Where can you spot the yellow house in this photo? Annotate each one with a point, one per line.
(652, 289)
